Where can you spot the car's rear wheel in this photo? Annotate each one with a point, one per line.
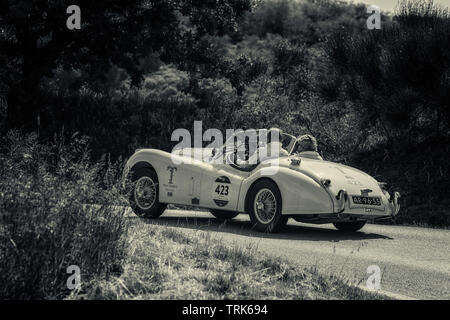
(223, 215)
(265, 207)
(144, 194)
(350, 226)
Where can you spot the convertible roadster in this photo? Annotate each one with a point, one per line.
(307, 190)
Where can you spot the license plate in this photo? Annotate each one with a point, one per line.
(369, 201)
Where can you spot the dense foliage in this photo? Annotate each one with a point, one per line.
(375, 99)
(57, 210)
(397, 81)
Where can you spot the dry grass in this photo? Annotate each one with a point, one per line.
(46, 223)
(164, 263)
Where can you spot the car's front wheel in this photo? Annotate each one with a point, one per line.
(223, 215)
(144, 194)
(350, 226)
(265, 207)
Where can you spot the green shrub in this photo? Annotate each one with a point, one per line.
(393, 91)
(55, 212)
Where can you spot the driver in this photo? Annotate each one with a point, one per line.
(274, 144)
(272, 149)
(306, 147)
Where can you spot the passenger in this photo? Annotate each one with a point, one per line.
(274, 147)
(271, 149)
(306, 147)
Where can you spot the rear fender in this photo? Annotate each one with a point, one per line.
(300, 194)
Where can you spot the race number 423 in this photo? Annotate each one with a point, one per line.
(222, 190)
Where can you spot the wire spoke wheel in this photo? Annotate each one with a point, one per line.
(265, 206)
(145, 193)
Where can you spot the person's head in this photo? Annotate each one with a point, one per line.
(306, 142)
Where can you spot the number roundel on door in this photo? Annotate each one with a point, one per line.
(221, 191)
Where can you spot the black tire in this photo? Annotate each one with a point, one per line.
(152, 208)
(223, 215)
(262, 221)
(350, 226)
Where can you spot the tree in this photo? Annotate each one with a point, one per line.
(398, 77)
(34, 40)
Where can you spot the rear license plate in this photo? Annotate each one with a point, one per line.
(369, 201)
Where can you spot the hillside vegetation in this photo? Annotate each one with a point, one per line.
(58, 209)
(375, 99)
(137, 70)
(165, 263)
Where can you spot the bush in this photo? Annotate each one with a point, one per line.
(55, 212)
(393, 86)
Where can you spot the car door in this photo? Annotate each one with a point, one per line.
(221, 182)
(220, 187)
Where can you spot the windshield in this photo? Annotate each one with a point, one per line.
(288, 142)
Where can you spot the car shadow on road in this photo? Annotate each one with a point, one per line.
(244, 228)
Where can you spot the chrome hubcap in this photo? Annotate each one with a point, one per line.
(145, 193)
(265, 206)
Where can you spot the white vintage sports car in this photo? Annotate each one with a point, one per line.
(307, 190)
